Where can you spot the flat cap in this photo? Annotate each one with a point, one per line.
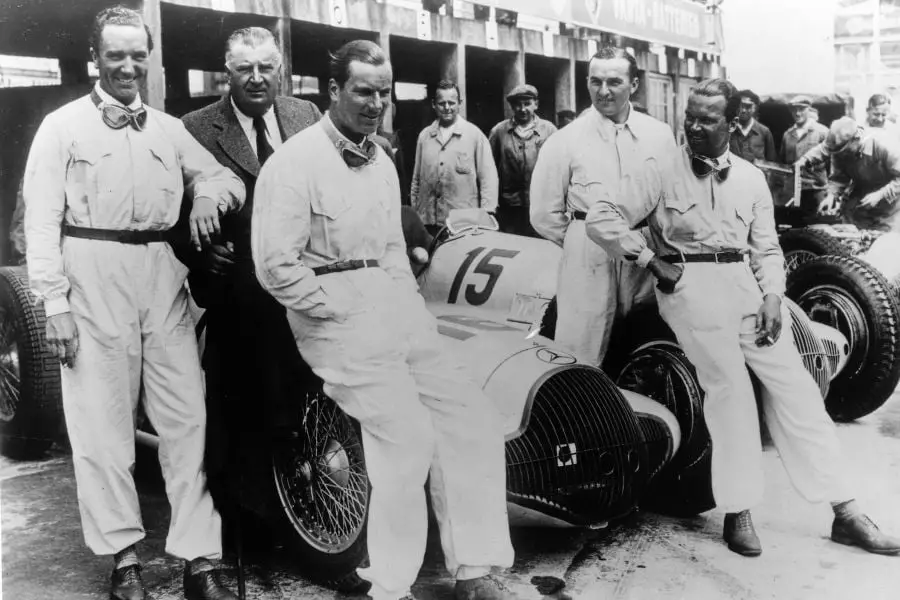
(800, 101)
(841, 133)
(523, 91)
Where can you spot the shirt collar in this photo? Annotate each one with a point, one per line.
(536, 124)
(107, 99)
(751, 126)
(246, 120)
(454, 129)
(608, 127)
(341, 141)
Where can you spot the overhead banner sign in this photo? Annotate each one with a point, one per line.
(679, 23)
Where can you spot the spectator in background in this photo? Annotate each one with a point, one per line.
(751, 139)
(454, 166)
(878, 115)
(564, 117)
(515, 143)
(805, 135)
(813, 114)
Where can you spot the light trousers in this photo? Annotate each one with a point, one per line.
(129, 304)
(594, 288)
(713, 314)
(420, 412)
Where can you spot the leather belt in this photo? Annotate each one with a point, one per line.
(730, 256)
(347, 265)
(122, 236)
(579, 215)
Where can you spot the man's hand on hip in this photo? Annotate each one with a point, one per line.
(62, 336)
(667, 275)
(204, 221)
(768, 321)
(870, 200)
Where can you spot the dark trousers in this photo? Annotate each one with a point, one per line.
(515, 220)
(255, 384)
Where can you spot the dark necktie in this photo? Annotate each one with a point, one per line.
(117, 117)
(703, 166)
(356, 156)
(263, 149)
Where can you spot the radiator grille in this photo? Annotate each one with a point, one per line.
(658, 442)
(811, 349)
(582, 456)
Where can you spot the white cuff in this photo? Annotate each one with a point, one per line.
(56, 306)
(643, 259)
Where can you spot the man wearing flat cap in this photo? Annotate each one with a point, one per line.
(865, 179)
(515, 143)
(751, 139)
(805, 135)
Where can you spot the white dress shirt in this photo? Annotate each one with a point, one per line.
(273, 133)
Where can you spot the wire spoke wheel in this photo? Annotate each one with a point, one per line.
(795, 258)
(10, 374)
(320, 478)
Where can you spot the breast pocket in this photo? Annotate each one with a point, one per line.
(464, 163)
(86, 182)
(683, 221)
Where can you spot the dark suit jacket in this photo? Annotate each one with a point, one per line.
(216, 127)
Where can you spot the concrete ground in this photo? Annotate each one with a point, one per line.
(649, 557)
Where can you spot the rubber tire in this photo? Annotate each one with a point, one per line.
(336, 571)
(38, 419)
(816, 241)
(859, 389)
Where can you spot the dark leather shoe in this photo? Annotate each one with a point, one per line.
(205, 586)
(126, 584)
(861, 531)
(740, 534)
(488, 587)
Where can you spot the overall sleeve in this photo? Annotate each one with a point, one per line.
(611, 225)
(838, 180)
(44, 191)
(488, 181)
(766, 257)
(279, 233)
(204, 176)
(395, 260)
(549, 190)
(815, 156)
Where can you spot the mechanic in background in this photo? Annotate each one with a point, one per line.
(250, 357)
(328, 244)
(878, 115)
(454, 166)
(864, 185)
(751, 139)
(103, 188)
(516, 143)
(802, 137)
(608, 146)
(708, 213)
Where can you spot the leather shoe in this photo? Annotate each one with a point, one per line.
(488, 587)
(860, 531)
(205, 585)
(740, 534)
(126, 584)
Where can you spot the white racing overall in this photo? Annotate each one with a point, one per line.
(129, 305)
(588, 160)
(713, 314)
(368, 335)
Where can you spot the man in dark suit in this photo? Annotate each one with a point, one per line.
(251, 359)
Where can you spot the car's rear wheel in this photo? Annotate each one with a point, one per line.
(659, 370)
(321, 486)
(848, 294)
(30, 394)
(802, 245)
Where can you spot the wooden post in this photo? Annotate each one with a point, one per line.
(513, 75)
(153, 90)
(453, 68)
(283, 37)
(384, 40)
